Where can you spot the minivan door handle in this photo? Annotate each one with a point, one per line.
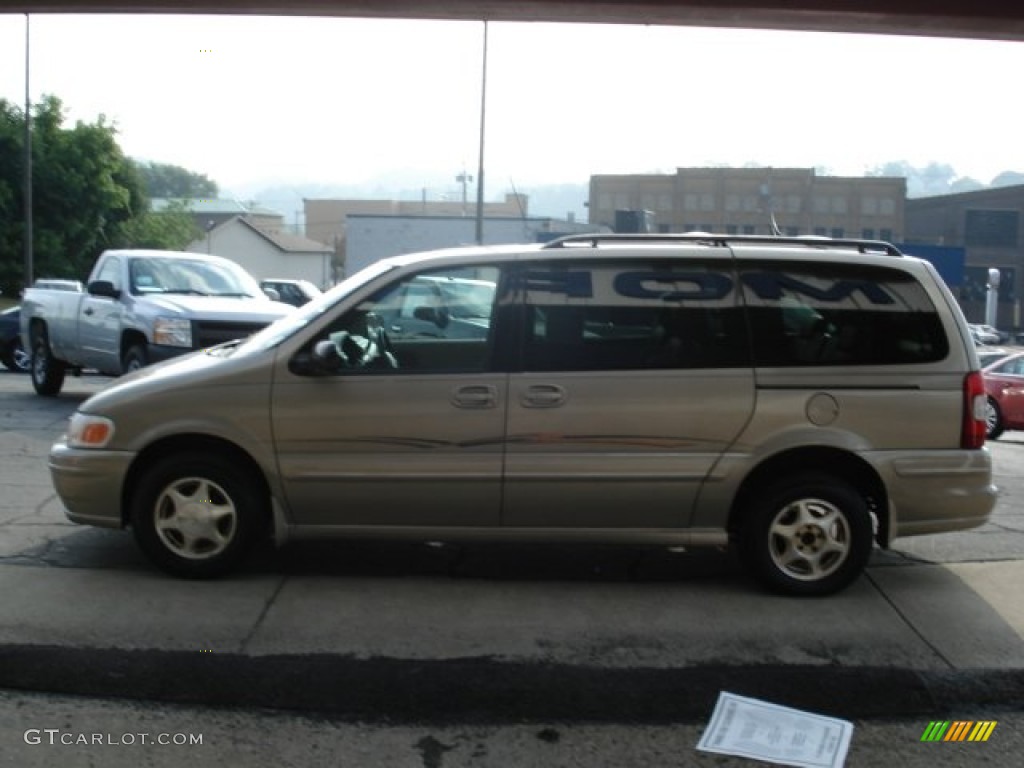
(475, 396)
(543, 396)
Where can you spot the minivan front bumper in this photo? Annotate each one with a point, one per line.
(89, 482)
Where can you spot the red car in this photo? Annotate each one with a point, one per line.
(1004, 384)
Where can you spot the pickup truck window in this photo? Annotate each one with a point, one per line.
(111, 271)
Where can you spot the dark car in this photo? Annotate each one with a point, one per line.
(12, 355)
(1004, 385)
(294, 292)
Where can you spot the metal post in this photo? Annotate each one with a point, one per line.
(28, 166)
(480, 166)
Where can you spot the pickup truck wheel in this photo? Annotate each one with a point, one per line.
(196, 515)
(808, 534)
(47, 371)
(134, 358)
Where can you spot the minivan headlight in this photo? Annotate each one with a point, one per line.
(172, 332)
(88, 431)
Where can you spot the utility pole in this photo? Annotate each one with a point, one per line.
(28, 166)
(480, 166)
(463, 179)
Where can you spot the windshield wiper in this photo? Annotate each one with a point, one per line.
(189, 291)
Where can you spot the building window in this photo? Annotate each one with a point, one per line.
(821, 205)
(838, 205)
(792, 231)
(749, 229)
(731, 229)
(887, 206)
(868, 234)
(885, 234)
(664, 229)
(975, 285)
(690, 227)
(707, 202)
(838, 233)
(869, 206)
(993, 229)
(820, 232)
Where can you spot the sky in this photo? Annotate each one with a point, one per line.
(251, 101)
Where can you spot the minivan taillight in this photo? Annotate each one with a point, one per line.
(975, 425)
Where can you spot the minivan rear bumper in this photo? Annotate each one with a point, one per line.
(89, 483)
(936, 492)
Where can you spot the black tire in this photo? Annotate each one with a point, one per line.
(136, 357)
(46, 370)
(806, 535)
(196, 515)
(994, 424)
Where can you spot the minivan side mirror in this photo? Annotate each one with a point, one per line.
(323, 360)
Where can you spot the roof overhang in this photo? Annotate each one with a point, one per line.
(991, 19)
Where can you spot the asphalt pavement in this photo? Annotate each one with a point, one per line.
(417, 635)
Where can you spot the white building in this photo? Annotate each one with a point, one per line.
(372, 237)
(265, 254)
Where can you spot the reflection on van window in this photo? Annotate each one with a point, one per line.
(832, 314)
(632, 317)
(432, 322)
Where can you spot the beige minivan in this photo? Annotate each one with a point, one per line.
(799, 399)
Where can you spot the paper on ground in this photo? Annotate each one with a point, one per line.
(764, 731)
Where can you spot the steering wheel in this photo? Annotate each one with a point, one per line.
(372, 350)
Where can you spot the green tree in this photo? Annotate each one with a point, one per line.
(172, 228)
(162, 180)
(87, 196)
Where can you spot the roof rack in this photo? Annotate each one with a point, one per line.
(593, 240)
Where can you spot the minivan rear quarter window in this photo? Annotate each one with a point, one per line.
(839, 314)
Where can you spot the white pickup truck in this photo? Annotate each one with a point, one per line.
(140, 307)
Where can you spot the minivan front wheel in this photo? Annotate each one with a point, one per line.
(195, 515)
(810, 534)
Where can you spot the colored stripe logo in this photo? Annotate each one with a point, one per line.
(958, 730)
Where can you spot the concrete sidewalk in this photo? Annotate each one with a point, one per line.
(905, 640)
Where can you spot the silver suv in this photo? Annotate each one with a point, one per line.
(796, 399)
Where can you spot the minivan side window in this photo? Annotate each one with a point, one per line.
(839, 314)
(631, 316)
(432, 322)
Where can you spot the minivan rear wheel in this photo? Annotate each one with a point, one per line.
(195, 515)
(809, 534)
